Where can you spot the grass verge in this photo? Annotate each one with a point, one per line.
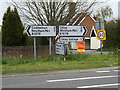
(54, 63)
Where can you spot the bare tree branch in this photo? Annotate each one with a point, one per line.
(51, 13)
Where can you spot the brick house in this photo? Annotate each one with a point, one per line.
(91, 41)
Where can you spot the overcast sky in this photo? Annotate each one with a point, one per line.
(112, 3)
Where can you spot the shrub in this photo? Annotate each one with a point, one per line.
(4, 62)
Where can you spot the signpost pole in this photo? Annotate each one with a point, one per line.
(101, 46)
(64, 52)
(34, 48)
(50, 46)
(100, 40)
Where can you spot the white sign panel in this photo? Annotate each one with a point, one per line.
(60, 48)
(72, 30)
(44, 31)
(71, 39)
(99, 25)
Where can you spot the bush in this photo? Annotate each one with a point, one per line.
(4, 62)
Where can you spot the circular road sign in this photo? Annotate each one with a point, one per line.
(101, 35)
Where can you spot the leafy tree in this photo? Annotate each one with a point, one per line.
(112, 34)
(12, 29)
(105, 13)
(39, 41)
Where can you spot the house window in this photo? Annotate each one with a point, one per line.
(93, 34)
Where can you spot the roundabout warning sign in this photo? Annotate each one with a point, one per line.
(101, 35)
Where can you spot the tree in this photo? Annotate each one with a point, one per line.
(112, 33)
(52, 12)
(12, 29)
(105, 13)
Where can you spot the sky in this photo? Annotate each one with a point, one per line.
(112, 3)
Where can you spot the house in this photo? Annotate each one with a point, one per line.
(91, 41)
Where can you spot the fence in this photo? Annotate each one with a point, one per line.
(26, 51)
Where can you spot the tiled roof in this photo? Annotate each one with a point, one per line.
(84, 19)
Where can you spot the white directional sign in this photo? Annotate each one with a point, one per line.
(41, 31)
(71, 39)
(72, 30)
(60, 48)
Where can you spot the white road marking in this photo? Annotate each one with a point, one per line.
(85, 78)
(99, 85)
(102, 71)
(116, 70)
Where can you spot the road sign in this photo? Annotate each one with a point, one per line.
(81, 47)
(72, 30)
(101, 35)
(71, 39)
(41, 31)
(99, 25)
(60, 48)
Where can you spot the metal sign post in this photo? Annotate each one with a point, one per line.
(41, 31)
(100, 40)
(100, 26)
(65, 51)
(101, 35)
(34, 48)
(72, 34)
(50, 46)
(101, 46)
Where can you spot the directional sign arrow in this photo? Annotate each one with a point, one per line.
(85, 32)
(27, 29)
(43, 31)
(72, 30)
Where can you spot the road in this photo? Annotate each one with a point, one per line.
(90, 52)
(93, 79)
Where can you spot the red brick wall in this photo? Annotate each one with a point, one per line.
(26, 51)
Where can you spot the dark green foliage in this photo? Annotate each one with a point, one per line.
(39, 41)
(4, 61)
(12, 29)
(112, 35)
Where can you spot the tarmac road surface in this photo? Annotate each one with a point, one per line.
(91, 79)
(91, 52)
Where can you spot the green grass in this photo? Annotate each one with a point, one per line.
(110, 49)
(53, 63)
